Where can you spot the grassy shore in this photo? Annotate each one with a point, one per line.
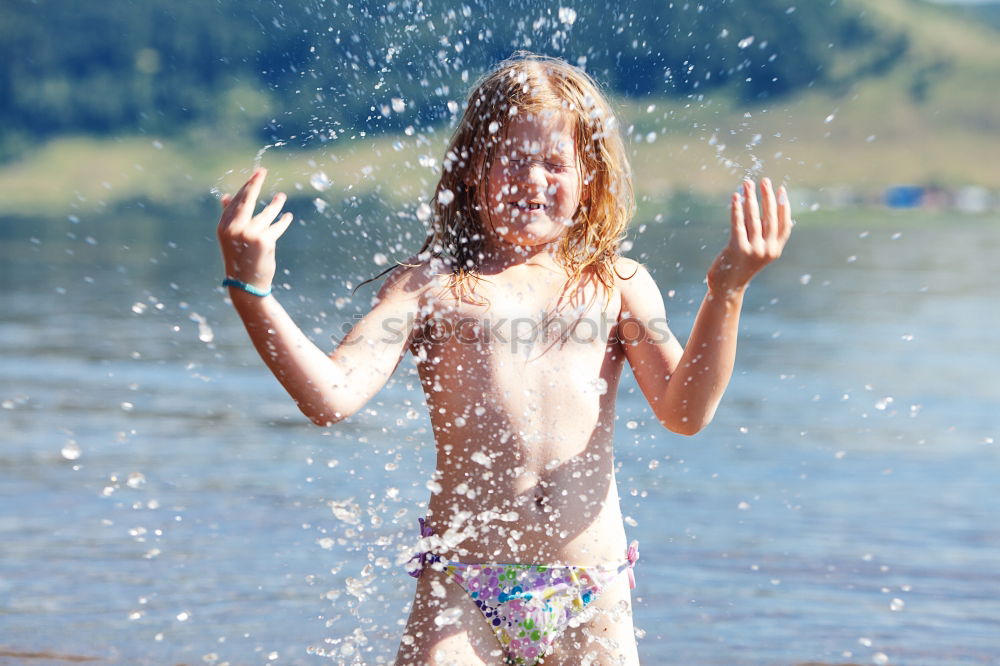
(931, 121)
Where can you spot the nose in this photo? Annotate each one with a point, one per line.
(532, 174)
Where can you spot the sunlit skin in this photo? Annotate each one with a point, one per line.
(524, 424)
(536, 165)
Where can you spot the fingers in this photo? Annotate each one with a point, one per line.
(224, 220)
(737, 228)
(251, 189)
(280, 226)
(270, 211)
(751, 211)
(237, 215)
(769, 210)
(246, 199)
(784, 215)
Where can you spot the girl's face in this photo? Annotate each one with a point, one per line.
(534, 183)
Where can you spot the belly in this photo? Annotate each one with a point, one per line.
(525, 452)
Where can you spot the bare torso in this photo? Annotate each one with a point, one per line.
(521, 396)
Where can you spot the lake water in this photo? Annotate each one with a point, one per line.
(162, 500)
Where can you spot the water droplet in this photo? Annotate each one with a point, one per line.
(883, 403)
(398, 105)
(567, 15)
(743, 506)
(805, 278)
(139, 308)
(880, 658)
(183, 616)
(896, 604)
(356, 587)
(380, 259)
(493, 127)
(127, 406)
(745, 42)
(71, 450)
(136, 480)
(320, 181)
(632, 425)
(445, 197)
(205, 333)
(448, 616)
(423, 212)
(346, 510)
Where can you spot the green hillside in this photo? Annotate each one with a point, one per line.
(931, 118)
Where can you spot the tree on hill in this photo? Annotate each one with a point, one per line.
(313, 67)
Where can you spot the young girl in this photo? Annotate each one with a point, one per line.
(520, 314)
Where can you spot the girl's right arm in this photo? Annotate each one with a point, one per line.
(327, 388)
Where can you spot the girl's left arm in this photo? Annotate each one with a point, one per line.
(684, 386)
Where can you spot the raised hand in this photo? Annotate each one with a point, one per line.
(758, 234)
(248, 241)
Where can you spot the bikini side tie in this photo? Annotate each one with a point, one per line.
(426, 556)
(632, 554)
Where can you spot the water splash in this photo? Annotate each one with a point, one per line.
(260, 153)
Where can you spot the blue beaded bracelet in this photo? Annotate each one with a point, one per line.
(249, 288)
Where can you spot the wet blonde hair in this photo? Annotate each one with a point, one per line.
(530, 83)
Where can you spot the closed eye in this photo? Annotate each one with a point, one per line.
(557, 167)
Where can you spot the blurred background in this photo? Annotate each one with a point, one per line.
(163, 501)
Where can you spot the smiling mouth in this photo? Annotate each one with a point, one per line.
(524, 205)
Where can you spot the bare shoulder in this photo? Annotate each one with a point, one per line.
(634, 282)
(411, 279)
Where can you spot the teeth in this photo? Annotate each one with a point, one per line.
(530, 206)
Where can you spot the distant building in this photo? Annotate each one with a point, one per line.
(973, 199)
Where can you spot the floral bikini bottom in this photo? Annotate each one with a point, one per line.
(528, 606)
